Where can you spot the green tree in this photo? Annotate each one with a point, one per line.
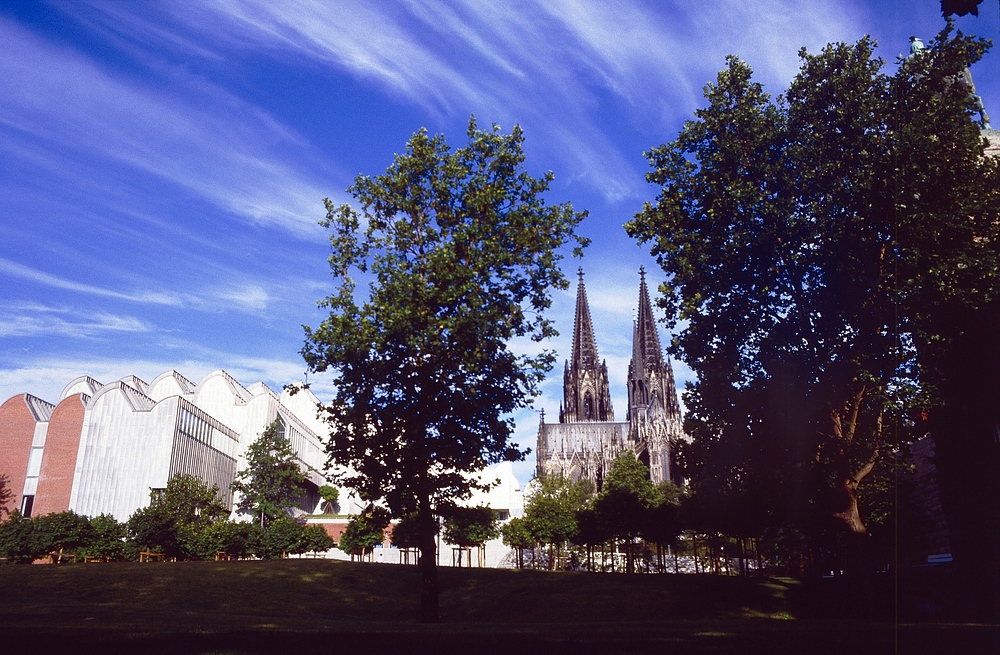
(151, 529)
(191, 501)
(591, 532)
(330, 496)
(316, 539)
(551, 508)
(17, 540)
(949, 228)
(273, 481)
(661, 523)
(175, 518)
(515, 533)
(825, 250)
(364, 532)
(460, 252)
(406, 532)
(283, 536)
(624, 502)
(234, 538)
(470, 526)
(108, 540)
(58, 532)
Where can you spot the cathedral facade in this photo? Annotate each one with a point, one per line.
(587, 439)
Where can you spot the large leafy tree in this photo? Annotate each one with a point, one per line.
(273, 481)
(470, 527)
(807, 241)
(515, 533)
(778, 252)
(459, 252)
(18, 542)
(63, 531)
(109, 539)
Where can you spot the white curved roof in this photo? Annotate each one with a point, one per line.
(83, 384)
(170, 383)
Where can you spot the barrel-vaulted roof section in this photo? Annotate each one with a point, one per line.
(83, 384)
(138, 401)
(241, 395)
(170, 383)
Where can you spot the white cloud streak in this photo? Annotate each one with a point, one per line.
(214, 145)
(26, 273)
(238, 293)
(36, 320)
(543, 64)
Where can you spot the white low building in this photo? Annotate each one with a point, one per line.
(133, 436)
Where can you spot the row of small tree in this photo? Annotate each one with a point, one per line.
(721, 532)
(628, 507)
(186, 521)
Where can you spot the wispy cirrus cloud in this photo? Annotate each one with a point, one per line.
(145, 297)
(237, 292)
(33, 320)
(58, 104)
(545, 64)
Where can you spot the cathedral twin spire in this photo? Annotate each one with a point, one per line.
(586, 395)
(587, 439)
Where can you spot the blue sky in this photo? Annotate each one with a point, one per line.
(163, 165)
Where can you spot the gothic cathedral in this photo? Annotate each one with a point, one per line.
(587, 438)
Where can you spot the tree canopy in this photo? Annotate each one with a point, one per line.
(470, 526)
(365, 531)
(176, 516)
(551, 508)
(459, 253)
(624, 503)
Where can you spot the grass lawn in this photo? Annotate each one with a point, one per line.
(319, 606)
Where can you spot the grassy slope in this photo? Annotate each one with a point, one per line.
(311, 605)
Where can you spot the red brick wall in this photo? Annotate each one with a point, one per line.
(335, 530)
(55, 481)
(17, 429)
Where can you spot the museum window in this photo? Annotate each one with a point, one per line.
(35, 462)
(26, 504)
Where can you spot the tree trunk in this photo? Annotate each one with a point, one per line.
(850, 514)
(428, 563)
